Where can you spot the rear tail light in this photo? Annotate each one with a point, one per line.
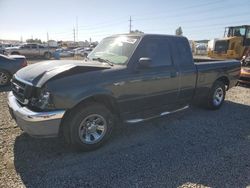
(24, 63)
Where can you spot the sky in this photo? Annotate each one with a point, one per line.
(199, 19)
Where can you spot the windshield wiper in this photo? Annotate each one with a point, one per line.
(103, 60)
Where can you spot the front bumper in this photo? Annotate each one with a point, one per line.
(37, 124)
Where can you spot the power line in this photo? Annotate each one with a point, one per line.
(186, 12)
(99, 27)
(209, 8)
(176, 13)
(104, 26)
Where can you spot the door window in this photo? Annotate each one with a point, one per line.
(159, 52)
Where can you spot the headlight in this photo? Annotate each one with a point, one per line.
(44, 100)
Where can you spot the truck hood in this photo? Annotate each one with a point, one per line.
(13, 48)
(39, 73)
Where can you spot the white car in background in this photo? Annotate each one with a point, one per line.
(84, 52)
(65, 52)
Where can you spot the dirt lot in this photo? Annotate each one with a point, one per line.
(193, 148)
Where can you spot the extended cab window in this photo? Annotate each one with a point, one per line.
(33, 46)
(25, 47)
(159, 52)
(181, 52)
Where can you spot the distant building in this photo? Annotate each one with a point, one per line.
(83, 43)
(52, 43)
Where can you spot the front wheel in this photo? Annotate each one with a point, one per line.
(216, 95)
(88, 126)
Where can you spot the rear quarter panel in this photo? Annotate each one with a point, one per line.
(209, 72)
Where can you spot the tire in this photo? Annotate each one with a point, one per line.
(15, 53)
(47, 55)
(216, 95)
(88, 126)
(4, 78)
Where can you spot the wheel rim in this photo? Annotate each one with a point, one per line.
(218, 96)
(3, 78)
(47, 55)
(92, 129)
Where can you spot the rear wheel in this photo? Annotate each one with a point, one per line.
(47, 55)
(15, 53)
(216, 95)
(4, 78)
(88, 126)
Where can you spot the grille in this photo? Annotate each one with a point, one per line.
(18, 89)
(221, 46)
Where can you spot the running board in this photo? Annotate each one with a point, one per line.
(131, 121)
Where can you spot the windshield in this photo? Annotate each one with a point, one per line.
(115, 49)
(237, 31)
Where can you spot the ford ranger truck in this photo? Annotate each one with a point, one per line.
(131, 78)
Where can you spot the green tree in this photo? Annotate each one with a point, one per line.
(178, 31)
(136, 31)
(34, 41)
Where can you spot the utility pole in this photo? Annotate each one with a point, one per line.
(77, 29)
(48, 39)
(74, 33)
(130, 24)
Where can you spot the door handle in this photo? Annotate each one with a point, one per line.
(173, 74)
(119, 83)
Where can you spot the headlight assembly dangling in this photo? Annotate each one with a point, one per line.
(44, 99)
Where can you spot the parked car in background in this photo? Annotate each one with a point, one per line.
(31, 50)
(84, 52)
(3, 46)
(64, 52)
(77, 50)
(201, 49)
(9, 65)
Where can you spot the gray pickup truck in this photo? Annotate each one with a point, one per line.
(126, 78)
(31, 50)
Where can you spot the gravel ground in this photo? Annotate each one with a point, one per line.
(193, 148)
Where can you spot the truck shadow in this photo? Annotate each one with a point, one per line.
(211, 148)
(245, 85)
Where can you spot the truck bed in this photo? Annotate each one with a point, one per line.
(209, 70)
(198, 59)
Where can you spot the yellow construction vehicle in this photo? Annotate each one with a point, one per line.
(234, 45)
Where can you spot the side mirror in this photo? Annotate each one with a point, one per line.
(144, 62)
